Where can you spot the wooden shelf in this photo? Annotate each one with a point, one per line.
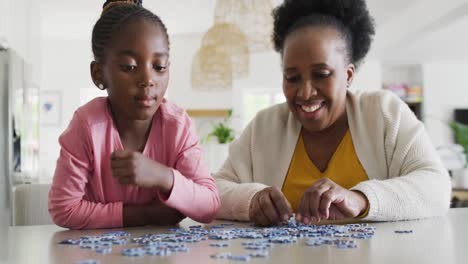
(208, 112)
(461, 194)
(413, 103)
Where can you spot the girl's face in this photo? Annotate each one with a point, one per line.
(135, 70)
(316, 74)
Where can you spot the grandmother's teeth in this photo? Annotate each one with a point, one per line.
(311, 108)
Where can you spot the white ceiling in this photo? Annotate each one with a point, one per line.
(406, 29)
(75, 18)
(424, 30)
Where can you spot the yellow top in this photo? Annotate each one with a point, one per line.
(343, 168)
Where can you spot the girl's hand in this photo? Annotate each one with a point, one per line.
(154, 213)
(130, 167)
(328, 200)
(161, 214)
(269, 207)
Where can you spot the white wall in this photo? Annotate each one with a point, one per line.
(5, 18)
(402, 74)
(20, 26)
(445, 88)
(183, 49)
(368, 77)
(65, 68)
(265, 72)
(14, 13)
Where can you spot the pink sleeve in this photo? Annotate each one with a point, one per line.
(194, 192)
(67, 205)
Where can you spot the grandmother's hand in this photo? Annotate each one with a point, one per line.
(326, 200)
(269, 207)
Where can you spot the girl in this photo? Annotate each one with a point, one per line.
(131, 158)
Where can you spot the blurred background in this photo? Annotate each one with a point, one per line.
(223, 71)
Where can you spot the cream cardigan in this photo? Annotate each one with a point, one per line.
(406, 177)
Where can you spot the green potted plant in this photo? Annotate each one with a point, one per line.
(222, 131)
(460, 177)
(217, 152)
(461, 135)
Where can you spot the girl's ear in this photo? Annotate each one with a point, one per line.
(96, 74)
(350, 74)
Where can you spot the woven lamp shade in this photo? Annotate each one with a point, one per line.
(253, 17)
(211, 70)
(228, 39)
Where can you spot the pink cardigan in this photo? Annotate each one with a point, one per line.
(84, 194)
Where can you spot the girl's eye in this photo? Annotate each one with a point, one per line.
(128, 68)
(160, 68)
(292, 79)
(322, 75)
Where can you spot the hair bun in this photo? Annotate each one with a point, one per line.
(109, 3)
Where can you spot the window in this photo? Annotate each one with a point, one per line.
(254, 100)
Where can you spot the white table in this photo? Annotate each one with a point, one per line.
(436, 240)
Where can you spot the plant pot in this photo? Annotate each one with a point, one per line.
(215, 155)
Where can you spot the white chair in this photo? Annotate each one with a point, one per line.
(30, 205)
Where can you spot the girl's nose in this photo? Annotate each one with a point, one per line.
(146, 79)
